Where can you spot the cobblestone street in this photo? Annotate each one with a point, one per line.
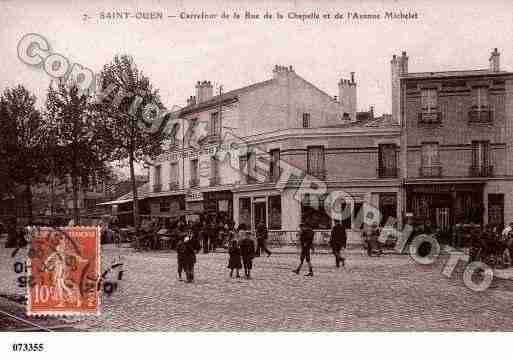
(386, 293)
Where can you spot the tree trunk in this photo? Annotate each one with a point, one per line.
(134, 192)
(28, 194)
(76, 211)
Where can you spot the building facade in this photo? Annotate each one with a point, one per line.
(260, 146)
(457, 143)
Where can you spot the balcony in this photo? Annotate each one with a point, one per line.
(481, 171)
(214, 181)
(194, 182)
(157, 187)
(481, 115)
(321, 175)
(387, 172)
(430, 118)
(431, 171)
(173, 186)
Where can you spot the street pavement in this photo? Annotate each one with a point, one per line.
(390, 292)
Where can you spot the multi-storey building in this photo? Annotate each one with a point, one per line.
(257, 135)
(457, 142)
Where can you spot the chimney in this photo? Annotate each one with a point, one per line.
(404, 64)
(204, 91)
(347, 96)
(494, 61)
(191, 100)
(280, 71)
(371, 111)
(398, 68)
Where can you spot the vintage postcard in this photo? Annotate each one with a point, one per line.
(256, 166)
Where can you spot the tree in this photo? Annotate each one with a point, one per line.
(22, 134)
(126, 99)
(77, 143)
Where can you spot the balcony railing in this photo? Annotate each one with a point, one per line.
(318, 174)
(214, 181)
(387, 172)
(480, 115)
(194, 182)
(157, 187)
(431, 171)
(430, 118)
(173, 186)
(481, 171)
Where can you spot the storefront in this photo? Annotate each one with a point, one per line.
(253, 208)
(446, 204)
(220, 202)
(170, 206)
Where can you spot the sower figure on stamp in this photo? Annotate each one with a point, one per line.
(306, 236)
(261, 235)
(338, 241)
(247, 251)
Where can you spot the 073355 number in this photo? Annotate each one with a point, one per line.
(28, 347)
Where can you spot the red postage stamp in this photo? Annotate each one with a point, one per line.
(64, 270)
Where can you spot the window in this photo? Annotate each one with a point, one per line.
(173, 173)
(315, 161)
(480, 159)
(214, 171)
(156, 175)
(274, 166)
(156, 178)
(251, 166)
(191, 134)
(387, 158)
(244, 213)
(215, 124)
(429, 100)
(306, 120)
(165, 206)
(172, 137)
(194, 171)
(480, 97)
(430, 155)
(243, 168)
(274, 203)
(430, 160)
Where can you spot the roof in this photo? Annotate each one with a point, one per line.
(457, 73)
(230, 95)
(383, 121)
(142, 192)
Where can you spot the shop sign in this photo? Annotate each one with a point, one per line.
(194, 196)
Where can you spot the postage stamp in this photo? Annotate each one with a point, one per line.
(64, 270)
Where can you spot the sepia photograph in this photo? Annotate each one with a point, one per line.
(260, 167)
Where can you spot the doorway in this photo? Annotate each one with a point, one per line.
(260, 212)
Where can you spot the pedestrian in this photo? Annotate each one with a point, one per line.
(261, 235)
(180, 254)
(306, 236)
(247, 251)
(234, 261)
(338, 241)
(189, 256)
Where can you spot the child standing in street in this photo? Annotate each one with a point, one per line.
(247, 251)
(234, 261)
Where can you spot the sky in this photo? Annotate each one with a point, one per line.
(175, 53)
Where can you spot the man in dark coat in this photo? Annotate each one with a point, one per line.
(261, 235)
(189, 256)
(338, 241)
(180, 254)
(247, 252)
(306, 237)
